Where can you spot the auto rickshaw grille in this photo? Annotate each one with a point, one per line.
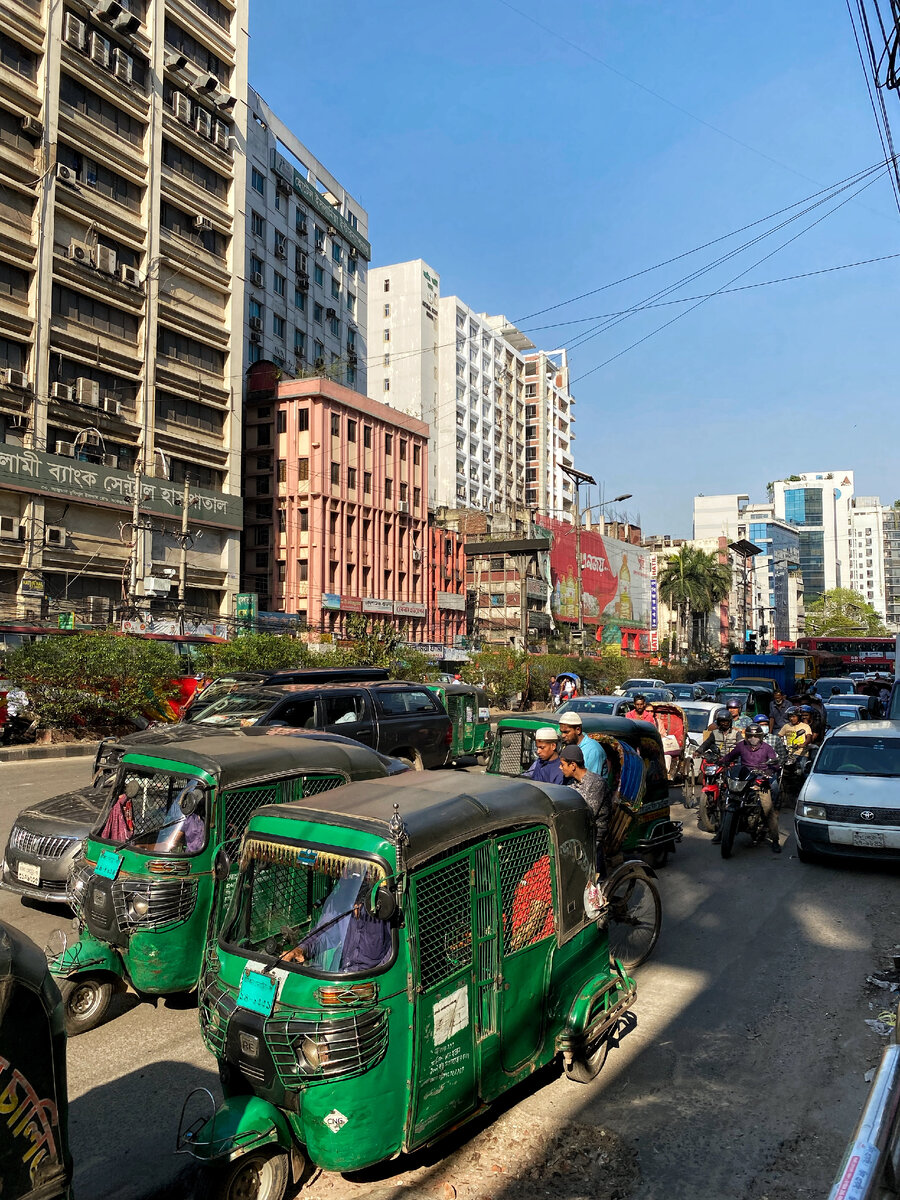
(77, 884)
(169, 901)
(216, 1007)
(346, 1045)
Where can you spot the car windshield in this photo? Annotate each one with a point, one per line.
(155, 812)
(879, 756)
(234, 708)
(835, 716)
(593, 706)
(306, 909)
(825, 687)
(698, 720)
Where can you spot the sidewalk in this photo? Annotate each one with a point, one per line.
(53, 750)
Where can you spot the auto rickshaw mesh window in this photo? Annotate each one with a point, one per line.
(516, 751)
(526, 890)
(240, 803)
(150, 806)
(314, 785)
(443, 906)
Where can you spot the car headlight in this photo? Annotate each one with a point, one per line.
(815, 812)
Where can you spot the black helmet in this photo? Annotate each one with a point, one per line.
(793, 710)
(723, 719)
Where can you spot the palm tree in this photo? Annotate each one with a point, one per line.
(693, 582)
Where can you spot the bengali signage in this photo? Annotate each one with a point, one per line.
(654, 593)
(405, 608)
(32, 584)
(316, 201)
(351, 604)
(246, 607)
(615, 580)
(51, 475)
(372, 604)
(174, 626)
(451, 601)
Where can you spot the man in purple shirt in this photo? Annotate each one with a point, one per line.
(758, 756)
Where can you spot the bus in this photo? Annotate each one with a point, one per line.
(846, 653)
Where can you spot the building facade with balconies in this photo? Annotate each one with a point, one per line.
(123, 127)
(306, 259)
(336, 513)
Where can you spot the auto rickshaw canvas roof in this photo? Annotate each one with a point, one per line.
(439, 810)
(620, 727)
(232, 761)
(458, 688)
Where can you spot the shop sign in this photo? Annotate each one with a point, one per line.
(451, 601)
(372, 604)
(32, 584)
(351, 604)
(331, 601)
(404, 608)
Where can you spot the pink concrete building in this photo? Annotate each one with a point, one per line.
(336, 507)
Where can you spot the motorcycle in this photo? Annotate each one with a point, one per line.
(709, 806)
(793, 772)
(743, 812)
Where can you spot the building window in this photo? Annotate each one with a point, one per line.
(417, 497)
(351, 477)
(303, 514)
(417, 454)
(336, 252)
(387, 310)
(299, 299)
(389, 443)
(258, 181)
(367, 482)
(351, 374)
(262, 558)
(335, 290)
(281, 421)
(303, 570)
(387, 360)
(320, 354)
(302, 419)
(387, 285)
(335, 425)
(319, 276)
(335, 326)
(367, 437)
(282, 470)
(333, 519)
(278, 325)
(335, 473)
(282, 520)
(387, 335)
(317, 312)
(530, 391)
(320, 239)
(303, 469)
(261, 535)
(351, 431)
(279, 283)
(386, 385)
(257, 225)
(299, 342)
(403, 449)
(255, 310)
(388, 488)
(351, 266)
(404, 491)
(351, 302)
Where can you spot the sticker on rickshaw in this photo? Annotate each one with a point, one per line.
(257, 993)
(108, 865)
(335, 1120)
(451, 1015)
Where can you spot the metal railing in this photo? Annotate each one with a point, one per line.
(870, 1169)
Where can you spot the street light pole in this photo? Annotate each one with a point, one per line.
(579, 477)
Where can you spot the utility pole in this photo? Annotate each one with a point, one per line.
(135, 530)
(185, 538)
(579, 477)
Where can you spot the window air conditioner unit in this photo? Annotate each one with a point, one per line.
(330, 312)
(303, 283)
(32, 127)
(224, 101)
(222, 135)
(65, 174)
(203, 123)
(110, 460)
(65, 449)
(302, 228)
(255, 337)
(280, 250)
(255, 322)
(111, 406)
(11, 528)
(123, 66)
(181, 106)
(17, 422)
(207, 83)
(126, 22)
(403, 506)
(87, 391)
(74, 31)
(417, 555)
(9, 377)
(94, 440)
(202, 224)
(54, 535)
(61, 391)
(100, 50)
(257, 278)
(354, 253)
(80, 252)
(106, 260)
(130, 275)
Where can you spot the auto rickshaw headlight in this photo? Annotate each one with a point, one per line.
(814, 811)
(140, 906)
(311, 1053)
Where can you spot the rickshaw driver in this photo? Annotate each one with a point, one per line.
(545, 768)
(346, 938)
(594, 792)
(572, 734)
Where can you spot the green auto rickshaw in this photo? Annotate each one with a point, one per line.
(395, 959)
(157, 868)
(469, 711)
(642, 822)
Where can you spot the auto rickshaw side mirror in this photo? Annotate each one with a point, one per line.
(222, 865)
(381, 901)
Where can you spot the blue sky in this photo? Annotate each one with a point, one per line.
(526, 172)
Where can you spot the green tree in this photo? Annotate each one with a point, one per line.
(252, 652)
(842, 611)
(693, 582)
(94, 683)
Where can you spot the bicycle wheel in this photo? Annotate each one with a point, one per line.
(635, 916)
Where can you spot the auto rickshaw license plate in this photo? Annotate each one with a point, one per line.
(257, 993)
(108, 865)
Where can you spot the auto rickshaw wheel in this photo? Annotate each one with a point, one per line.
(587, 1067)
(86, 1000)
(260, 1175)
(658, 858)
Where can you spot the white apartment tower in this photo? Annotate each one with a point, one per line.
(468, 375)
(866, 566)
(123, 130)
(307, 257)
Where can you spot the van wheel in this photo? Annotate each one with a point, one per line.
(412, 761)
(85, 1002)
(260, 1175)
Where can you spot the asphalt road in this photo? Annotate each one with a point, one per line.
(741, 1076)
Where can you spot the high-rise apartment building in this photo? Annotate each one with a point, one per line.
(123, 126)
(865, 565)
(468, 375)
(818, 504)
(307, 257)
(890, 518)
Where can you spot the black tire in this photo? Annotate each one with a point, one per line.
(86, 1001)
(586, 1068)
(704, 820)
(260, 1175)
(658, 858)
(729, 829)
(635, 917)
(807, 856)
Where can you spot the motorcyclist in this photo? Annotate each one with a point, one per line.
(814, 719)
(796, 734)
(777, 743)
(759, 757)
(722, 735)
(734, 711)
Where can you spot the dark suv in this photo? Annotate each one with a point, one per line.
(403, 720)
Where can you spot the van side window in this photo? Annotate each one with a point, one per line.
(398, 704)
(526, 888)
(343, 710)
(298, 714)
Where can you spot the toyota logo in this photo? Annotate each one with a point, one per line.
(867, 815)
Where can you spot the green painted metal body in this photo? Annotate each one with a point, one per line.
(650, 818)
(483, 988)
(239, 1124)
(167, 956)
(467, 707)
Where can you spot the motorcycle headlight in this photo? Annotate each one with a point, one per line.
(815, 812)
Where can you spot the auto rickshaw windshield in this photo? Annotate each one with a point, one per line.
(309, 908)
(155, 812)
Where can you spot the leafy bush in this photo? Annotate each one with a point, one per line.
(93, 682)
(252, 652)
